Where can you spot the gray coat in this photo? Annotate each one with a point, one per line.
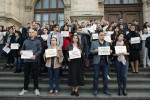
(96, 57)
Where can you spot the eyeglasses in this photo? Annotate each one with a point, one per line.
(102, 35)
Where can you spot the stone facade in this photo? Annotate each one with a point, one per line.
(19, 12)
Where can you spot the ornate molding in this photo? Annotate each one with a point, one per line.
(101, 1)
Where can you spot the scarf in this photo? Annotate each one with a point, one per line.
(121, 58)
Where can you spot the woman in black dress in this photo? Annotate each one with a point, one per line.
(75, 72)
(134, 49)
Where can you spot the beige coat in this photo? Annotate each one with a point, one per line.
(1, 37)
(57, 60)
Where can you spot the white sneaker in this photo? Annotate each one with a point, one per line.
(23, 92)
(36, 91)
(108, 77)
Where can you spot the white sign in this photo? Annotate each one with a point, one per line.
(6, 49)
(95, 36)
(65, 33)
(120, 49)
(94, 26)
(50, 53)
(127, 32)
(69, 29)
(4, 33)
(135, 40)
(148, 29)
(144, 36)
(110, 32)
(107, 38)
(26, 54)
(84, 30)
(91, 30)
(104, 50)
(14, 46)
(74, 54)
(45, 37)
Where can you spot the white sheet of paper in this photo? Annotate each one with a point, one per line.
(104, 50)
(107, 38)
(14, 46)
(91, 30)
(65, 33)
(4, 33)
(110, 32)
(6, 49)
(95, 36)
(45, 37)
(104, 28)
(144, 36)
(135, 40)
(74, 54)
(94, 27)
(148, 29)
(120, 49)
(50, 53)
(84, 30)
(127, 32)
(26, 54)
(69, 29)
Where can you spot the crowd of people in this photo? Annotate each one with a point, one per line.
(85, 38)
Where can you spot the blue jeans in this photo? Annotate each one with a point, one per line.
(104, 67)
(53, 72)
(1, 47)
(17, 62)
(121, 73)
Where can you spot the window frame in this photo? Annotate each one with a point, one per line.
(121, 2)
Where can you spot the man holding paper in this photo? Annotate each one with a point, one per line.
(100, 61)
(33, 46)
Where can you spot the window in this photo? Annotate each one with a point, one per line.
(122, 1)
(49, 10)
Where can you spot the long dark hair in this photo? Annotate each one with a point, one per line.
(144, 26)
(125, 43)
(78, 43)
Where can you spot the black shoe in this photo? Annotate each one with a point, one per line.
(95, 92)
(16, 71)
(124, 92)
(119, 92)
(107, 93)
(72, 93)
(19, 70)
(76, 94)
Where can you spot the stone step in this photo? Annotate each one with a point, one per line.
(86, 74)
(66, 96)
(65, 80)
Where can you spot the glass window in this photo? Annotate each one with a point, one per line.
(60, 19)
(38, 18)
(131, 1)
(45, 3)
(60, 4)
(38, 6)
(53, 17)
(53, 3)
(117, 2)
(111, 1)
(45, 19)
(106, 1)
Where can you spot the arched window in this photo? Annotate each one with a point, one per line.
(49, 10)
(122, 1)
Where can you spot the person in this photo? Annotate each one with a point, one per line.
(54, 64)
(57, 34)
(17, 58)
(100, 62)
(147, 45)
(114, 35)
(1, 40)
(121, 61)
(32, 43)
(134, 49)
(39, 31)
(99, 28)
(66, 42)
(146, 59)
(10, 36)
(75, 72)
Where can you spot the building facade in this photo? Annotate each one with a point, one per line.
(20, 12)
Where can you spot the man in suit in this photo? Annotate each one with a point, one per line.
(100, 62)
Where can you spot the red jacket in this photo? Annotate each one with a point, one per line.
(66, 42)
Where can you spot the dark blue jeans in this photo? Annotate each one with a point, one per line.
(53, 72)
(121, 74)
(17, 62)
(104, 67)
(1, 47)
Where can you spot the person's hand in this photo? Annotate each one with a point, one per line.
(124, 53)
(69, 59)
(33, 57)
(96, 50)
(119, 54)
(7, 45)
(21, 52)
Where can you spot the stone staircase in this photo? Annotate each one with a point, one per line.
(138, 86)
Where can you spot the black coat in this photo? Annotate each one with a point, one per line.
(147, 44)
(12, 38)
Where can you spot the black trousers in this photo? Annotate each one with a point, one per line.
(28, 66)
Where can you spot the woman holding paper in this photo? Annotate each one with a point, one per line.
(121, 52)
(54, 62)
(133, 39)
(114, 35)
(66, 42)
(146, 59)
(75, 73)
(17, 57)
